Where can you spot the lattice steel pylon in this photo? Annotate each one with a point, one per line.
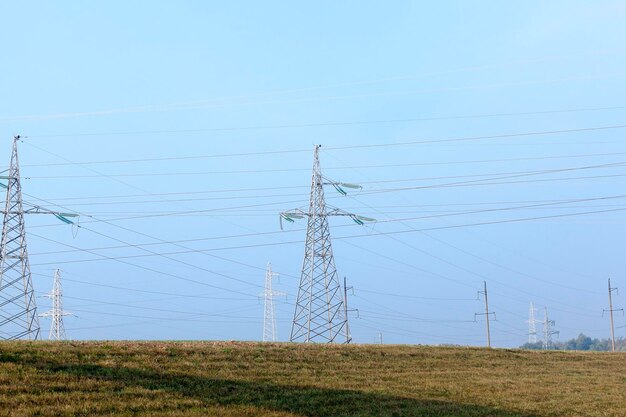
(548, 331)
(532, 324)
(320, 315)
(269, 317)
(57, 329)
(18, 310)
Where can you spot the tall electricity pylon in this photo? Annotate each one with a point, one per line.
(18, 317)
(269, 318)
(532, 324)
(18, 311)
(57, 329)
(320, 314)
(548, 331)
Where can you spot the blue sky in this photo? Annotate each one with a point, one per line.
(186, 88)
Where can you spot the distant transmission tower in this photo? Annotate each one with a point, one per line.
(548, 331)
(57, 329)
(532, 324)
(18, 311)
(320, 314)
(269, 319)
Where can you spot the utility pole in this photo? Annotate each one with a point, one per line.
(532, 328)
(57, 329)
(320, 314)
(345, 305)
(18, 310)
(269, 319)
(380, 338)
(611, 310)
(346, 309)
(487, 313)
(548, 332)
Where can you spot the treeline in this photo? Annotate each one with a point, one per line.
(581, 342)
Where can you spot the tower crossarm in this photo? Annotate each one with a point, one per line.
(35, 209)
(339, 186)
(296, 214)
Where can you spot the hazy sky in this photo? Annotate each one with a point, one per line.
(179, 131)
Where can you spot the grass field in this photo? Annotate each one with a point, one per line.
(250, 379)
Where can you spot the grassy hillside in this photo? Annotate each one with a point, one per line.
(249, 379)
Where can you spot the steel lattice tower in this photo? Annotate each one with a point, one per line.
(532, 324)
(548, 331)
(18, 312)
(57, 329)
(320, 314)
(269, 318)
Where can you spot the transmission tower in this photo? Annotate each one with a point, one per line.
(269, 319)
(18, 311)
(611, 310)
(532, 324)
(57, 329)
(320, 314)
(548, 331)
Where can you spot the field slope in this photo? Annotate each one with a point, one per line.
(250, 379)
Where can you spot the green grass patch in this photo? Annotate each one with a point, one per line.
(253, 379)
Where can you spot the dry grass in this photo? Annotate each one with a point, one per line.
(250, 379)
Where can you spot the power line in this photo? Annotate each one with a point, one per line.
(169, 174)
(364, 146)
(484, 183)
(414, 297)
(182, 105)
(500, 222)
(494, 222)
(153, 237)
(441, 213)
(451, 263)
(156, 271)
(177, 295)
(485, 137)
(482, 161)
(323, 124)
(225, 313)
(476, 256)
(439, 258)
(550, 203)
